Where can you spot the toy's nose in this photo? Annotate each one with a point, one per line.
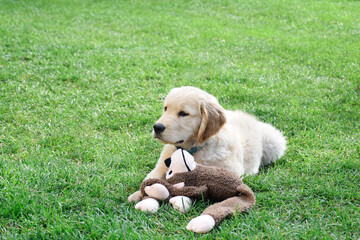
(159, 128)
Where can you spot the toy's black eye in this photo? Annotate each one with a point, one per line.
(170, 172)
(183, 114)
(165, 108)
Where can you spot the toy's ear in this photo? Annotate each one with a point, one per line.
(167, 162)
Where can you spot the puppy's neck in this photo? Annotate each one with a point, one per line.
(191, 146)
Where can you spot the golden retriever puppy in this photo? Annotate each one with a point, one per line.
(194, 120)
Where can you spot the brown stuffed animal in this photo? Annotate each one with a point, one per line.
(185, 179)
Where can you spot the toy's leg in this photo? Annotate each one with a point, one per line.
(230, 206)
(201, 224)
(182, 203)
(214, 214)
(148, 205)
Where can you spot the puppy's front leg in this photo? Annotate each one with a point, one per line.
(158, 172)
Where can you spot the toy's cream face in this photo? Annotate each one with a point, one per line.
(180, 161)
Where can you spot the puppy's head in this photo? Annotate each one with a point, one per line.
(190, 116)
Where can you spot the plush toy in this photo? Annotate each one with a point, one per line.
(186, 180)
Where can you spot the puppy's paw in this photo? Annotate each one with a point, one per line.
(157, 191)
(135, 197)
(201, 224)
(181, 203)
(148, 205)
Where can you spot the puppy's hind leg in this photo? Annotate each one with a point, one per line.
(274, 144)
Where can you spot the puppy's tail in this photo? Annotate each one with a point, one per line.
(274, 144)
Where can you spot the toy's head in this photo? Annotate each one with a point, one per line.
(180, 161)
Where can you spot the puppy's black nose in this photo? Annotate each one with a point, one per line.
(159, 128)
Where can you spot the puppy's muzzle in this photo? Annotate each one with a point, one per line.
(159, 128)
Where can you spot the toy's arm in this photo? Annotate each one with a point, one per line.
(190, 191)
(156, 188)
(152, 181)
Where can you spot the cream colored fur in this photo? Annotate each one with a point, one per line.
(232, 140)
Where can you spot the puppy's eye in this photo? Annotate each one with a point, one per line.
(165, 108)
(183, 114)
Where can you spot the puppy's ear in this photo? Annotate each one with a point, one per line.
(213, 118)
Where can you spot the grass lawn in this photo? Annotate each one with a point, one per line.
(82, 83)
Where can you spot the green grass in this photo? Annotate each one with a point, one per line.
(82, 82)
